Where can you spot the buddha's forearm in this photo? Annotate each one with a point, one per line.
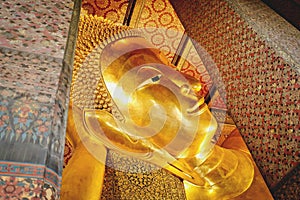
(83, 176)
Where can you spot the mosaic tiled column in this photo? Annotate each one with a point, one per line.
(257, 56)
(35, 73)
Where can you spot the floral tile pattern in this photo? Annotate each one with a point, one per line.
(114, 10)
(158, 14)
(27, 181)
(26, 112)
(33, 73)
(35, 26)
(34, 86)
(20, 188)
(15, 188)
(28, 87)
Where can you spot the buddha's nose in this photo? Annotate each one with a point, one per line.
(192, 87)
(196, 87)
(191, 90)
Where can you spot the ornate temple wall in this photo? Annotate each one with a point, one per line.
(257, 56)
(256, 53)
(35, 75)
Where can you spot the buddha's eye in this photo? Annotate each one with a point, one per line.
(148, 75)
(156, 78)
(152, 80)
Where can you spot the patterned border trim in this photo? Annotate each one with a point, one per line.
(52, 177)
(21, 169)
(72, 35)
(30, 171)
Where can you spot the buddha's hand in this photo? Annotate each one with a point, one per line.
(100, 126)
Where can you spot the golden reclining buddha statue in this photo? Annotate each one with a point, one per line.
(126, 97)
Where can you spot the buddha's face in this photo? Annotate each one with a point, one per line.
(156, 102)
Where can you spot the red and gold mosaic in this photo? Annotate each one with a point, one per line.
(261, 86)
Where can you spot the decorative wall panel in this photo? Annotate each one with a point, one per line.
(261, 81)
(35, 77)
(114, 10)
(35, 26)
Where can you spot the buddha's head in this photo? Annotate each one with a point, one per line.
(153, 101)
(139, 96)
